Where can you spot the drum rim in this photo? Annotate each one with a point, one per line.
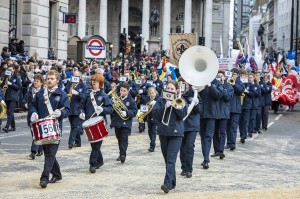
(43, 119)
(96, 122)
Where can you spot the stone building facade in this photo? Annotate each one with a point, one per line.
(38, 22)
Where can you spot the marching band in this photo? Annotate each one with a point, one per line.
(175, 110)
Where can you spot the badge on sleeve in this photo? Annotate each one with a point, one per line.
(80, 90)
(127, 103)
(255, 88)
(57, 98)
(14, 80)
(100, 98)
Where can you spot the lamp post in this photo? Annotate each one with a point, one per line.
(111, 47)
(283, 37)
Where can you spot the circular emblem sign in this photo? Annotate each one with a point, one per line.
(95, 48)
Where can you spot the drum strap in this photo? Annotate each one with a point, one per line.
(47, 102)
(93, 100)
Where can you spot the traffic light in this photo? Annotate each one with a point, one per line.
(138, 45)
(122, 43)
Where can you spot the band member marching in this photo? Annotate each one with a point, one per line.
(157, 83)
(235, 109)
(221, 122)
(124, 110)
(191, 129)
(142, 95)
(43, 104)
(170, 131)
(76, 92)
(210, 97)
(267, 102)
(11, 86)
(36, 150)
(96, 102)
(260, 82)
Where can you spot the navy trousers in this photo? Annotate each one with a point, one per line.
(76, 128)
(35, 148)
(207, 129)
(265, 116)
(252, 124)
(152, 129)
(220, 135)
(258, 119)
(122, 136)
(51, 165)
(170, 146)
(10, 114)
(187, 150)
(96, 157)
(244, 123)
(232, 125)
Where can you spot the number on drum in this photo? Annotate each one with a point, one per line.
(48, 128)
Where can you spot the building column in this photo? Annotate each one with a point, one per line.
(81, 18)
(103, 19)
(166, 24)
(208, 23)
(145, 25)
(124, 15)
(188, 16)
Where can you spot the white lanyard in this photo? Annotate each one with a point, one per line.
(47, 102)
(93, 100)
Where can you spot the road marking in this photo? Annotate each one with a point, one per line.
(4, 143)
(11, 136)
(278, 117)
(270, 124)
(285, 110)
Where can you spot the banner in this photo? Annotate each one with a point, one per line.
(225, 64)
(178, 44)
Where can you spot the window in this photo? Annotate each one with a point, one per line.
(92, 30)
(178, 29)
(87, 29)
(13, 19)
(180, 17)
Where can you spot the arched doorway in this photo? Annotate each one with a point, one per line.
(135, 22)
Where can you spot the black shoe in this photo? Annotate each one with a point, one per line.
(183, 173)
(227, 147)
(165, 188)
(92, 169)
(259, 131)
(119, 159)
(215, 154)
(188, 174)
(222, 155)
(99, 165)
(141, 130)
(202, 163)
(76, 145)
(39, 153)
(12, 129)
(232, 148)
(250, 135)
(242, 141)
(54, 179)
(205, 165)
(70, 146)
(266, 128)
(5, 130)
(122, 158)
(151, 149)
(43, 184)
(32, 156)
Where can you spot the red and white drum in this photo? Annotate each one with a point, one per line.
(95, 129)
(45, 131)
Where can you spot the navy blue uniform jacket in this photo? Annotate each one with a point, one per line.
(247, 103)
(12, 92)
(175, 127)
(225, 101)
(235, 103)
(256, 96)
(133, 90)
(267, 95)
(150, 116)
(76, 99)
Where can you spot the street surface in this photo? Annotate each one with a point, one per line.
(266, 166)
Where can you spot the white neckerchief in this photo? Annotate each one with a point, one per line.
(154, 79)
(123, 98)
(46, 98)
(34, 91)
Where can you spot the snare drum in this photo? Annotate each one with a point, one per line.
(95, 129)
(45, 131)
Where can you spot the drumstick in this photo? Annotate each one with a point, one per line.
(53, 112)
(95, 112)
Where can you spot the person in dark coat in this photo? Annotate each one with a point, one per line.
(58, 100)
(170, 130)
(102, 107)
(142, 95)
(13, 85)
(1, 101)
(13, 48)
(76, 95)
(255, 102)
(263, 89)
(133, 87)
(122, 121)
(221, 123)
(246, 109)
(210, 97)
(191, 129)
(267, 102)
(157, 83)
(4, 53)
(36, 150)
(235, 109)
(152, 122)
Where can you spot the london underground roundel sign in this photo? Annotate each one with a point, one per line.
(95, 48)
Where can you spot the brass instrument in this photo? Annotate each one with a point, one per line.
(242, 98)
(3, 109)
(70, 92)
(231, 81)
(5, 86)
(140, 116)
(118, 104)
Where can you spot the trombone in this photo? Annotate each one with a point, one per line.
(177, 103)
